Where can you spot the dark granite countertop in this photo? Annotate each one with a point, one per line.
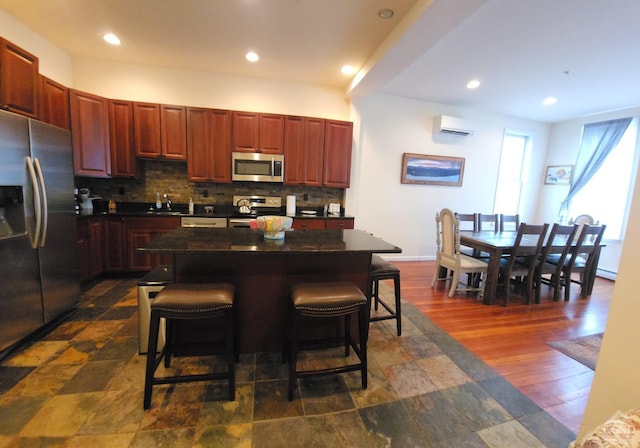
(178, 210)
(186, 241)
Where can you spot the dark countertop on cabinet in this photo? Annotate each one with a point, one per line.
(188, 241)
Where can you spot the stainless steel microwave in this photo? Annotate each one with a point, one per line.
(257, 167)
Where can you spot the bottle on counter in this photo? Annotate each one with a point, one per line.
(191, 206)
(158, 201)
(112, 206)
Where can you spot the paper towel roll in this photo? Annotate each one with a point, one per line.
(291, 205)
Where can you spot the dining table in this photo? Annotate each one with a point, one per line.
(497, 244)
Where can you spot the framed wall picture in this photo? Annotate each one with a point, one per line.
(558, 175)
(432, 170)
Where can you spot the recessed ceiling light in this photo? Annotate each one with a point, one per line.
(385, 13)
(548, 101)
(252, 57)
(111, 39)
(473, 84)
(348, 69)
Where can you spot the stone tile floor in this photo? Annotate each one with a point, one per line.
(81, 385)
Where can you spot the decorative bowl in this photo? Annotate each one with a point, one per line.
(274, 226)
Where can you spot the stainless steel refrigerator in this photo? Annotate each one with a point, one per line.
(39, 274)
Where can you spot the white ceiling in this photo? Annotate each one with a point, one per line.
(584, 52)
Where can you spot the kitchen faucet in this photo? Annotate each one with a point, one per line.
(168, 201)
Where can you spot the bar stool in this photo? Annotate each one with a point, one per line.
(324, 300)
(189, 301)
(383, 270)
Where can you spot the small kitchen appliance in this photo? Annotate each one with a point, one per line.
(257, 167)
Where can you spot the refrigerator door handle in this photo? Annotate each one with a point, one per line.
(43, 202)
(38, 206)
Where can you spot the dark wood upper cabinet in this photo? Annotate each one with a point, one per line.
(303, 150)
(160, 131)
(173, 129)
(54, 103)
(19, 81)
(123, 157)
(146, 124)
(90, 134)
(256, 132)
(337, 153)
(208, 145)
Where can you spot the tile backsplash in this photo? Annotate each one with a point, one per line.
(171, 178)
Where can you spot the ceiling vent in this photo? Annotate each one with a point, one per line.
(452, 125)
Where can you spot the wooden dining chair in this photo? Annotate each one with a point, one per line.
(488, 222)
(582, 260)
(523, 259)
(558, 246)
(468, 221)
(449, 257)
(509, 222)
(583, 219)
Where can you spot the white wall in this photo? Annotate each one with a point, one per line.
(202, 89)
(564, 141)
(404, 214)
(615, 385)
(54, 63)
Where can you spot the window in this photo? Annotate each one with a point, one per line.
(511, 175)
(607, 195)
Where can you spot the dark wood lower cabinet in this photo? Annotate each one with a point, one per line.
(110, 243)
(115, 245)
(141, 231)
(90, 241)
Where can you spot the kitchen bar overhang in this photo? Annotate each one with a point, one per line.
(263, 270)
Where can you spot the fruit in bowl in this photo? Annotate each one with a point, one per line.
(274, 226)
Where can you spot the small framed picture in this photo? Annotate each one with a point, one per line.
(432, 170)
(558, 175)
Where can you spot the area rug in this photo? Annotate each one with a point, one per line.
(585, 350)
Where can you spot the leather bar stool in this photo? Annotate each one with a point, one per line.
(189, 301)
(327, 300)
(383, 270)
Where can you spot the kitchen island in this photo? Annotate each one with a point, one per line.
(263, 270)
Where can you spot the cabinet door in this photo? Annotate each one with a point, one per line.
(146, 124)
(138, 261)
(294, 136)
(96, 261)
(246, 129)
(254, 132)
(220, 136)
(54, 103)
(173, 128)
(115, 245)
(18, 80)
(84, 253)
(337, 153)
(141, 231)
(209, 145)
(90, 134)
(304, 150)
(123, 158)
(199, 152)
(271, 133)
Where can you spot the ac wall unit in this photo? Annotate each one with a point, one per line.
(453, 125)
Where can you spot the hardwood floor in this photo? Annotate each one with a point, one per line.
(513, 340)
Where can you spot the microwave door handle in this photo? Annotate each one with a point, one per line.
(37, 205)
(45, 206)
(273, 167)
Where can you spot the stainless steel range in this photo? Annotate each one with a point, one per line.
(250, 206)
